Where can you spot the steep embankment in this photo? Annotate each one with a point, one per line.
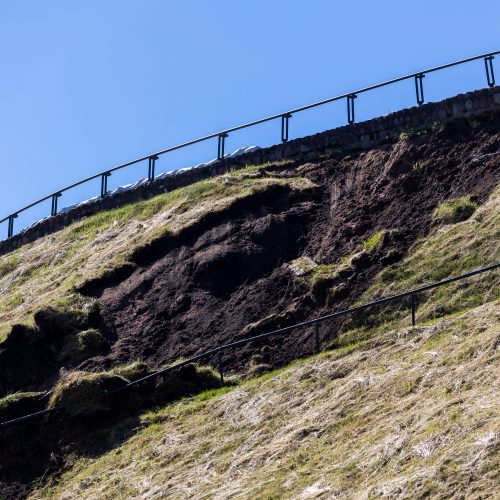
(229, 258)
(404, 412)
(412, 413)
(220, 283)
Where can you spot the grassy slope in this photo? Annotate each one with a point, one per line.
(47, 271)
(397, 411)
(413, 412)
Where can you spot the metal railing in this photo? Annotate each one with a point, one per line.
(284, 117)
(231, 345)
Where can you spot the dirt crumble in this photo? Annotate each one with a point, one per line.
(231, 280)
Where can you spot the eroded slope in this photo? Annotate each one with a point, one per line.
(235, 256)
(234, 279)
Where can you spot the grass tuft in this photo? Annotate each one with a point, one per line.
(83, 394)
(19, 404)
(454, 210)
(374, 241)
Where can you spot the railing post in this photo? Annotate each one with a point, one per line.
(350, 108)
(221, 368)
(53, 210)
(490, 75)
(104, 183)
(284, 126)
(151, 167)
(413, 308)
(10, 229)
(222, 141)
(316, 338)
(419, 88)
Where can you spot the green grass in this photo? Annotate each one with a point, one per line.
(348, 422)
(455, 210)
(410, 133)
(374, 241)
(449, 250)
(82, 345)
(324, 272)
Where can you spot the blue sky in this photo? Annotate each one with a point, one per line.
(89, 84)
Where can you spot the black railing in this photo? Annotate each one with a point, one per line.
(284, 117)
(231, 345)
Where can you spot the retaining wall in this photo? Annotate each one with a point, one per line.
(359, 135)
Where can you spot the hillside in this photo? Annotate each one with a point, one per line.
(410, 414)
(385, 409)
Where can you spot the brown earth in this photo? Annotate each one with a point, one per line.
(207, 288)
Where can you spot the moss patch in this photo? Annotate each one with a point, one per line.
(374, 242)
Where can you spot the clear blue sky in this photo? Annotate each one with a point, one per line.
(88, 84)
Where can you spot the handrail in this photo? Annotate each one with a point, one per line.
(218, 350)
(285, 116)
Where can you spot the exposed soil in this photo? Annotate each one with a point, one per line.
(227, 277)
(216, 282)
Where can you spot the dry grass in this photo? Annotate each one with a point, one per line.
(47, 271)
(413, 413)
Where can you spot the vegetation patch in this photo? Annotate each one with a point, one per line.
(374, 242)
(19, 404)
(133, 371)
(449, 250)
(80, 346)
(421, 165)
(302, 265)
(83, 394)
(187, 380)
(390, 410)
(455, 210)
(410, 133)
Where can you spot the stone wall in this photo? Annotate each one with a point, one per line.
(360, 135)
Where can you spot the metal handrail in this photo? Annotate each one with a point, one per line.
(280, 331)
(350, 96)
